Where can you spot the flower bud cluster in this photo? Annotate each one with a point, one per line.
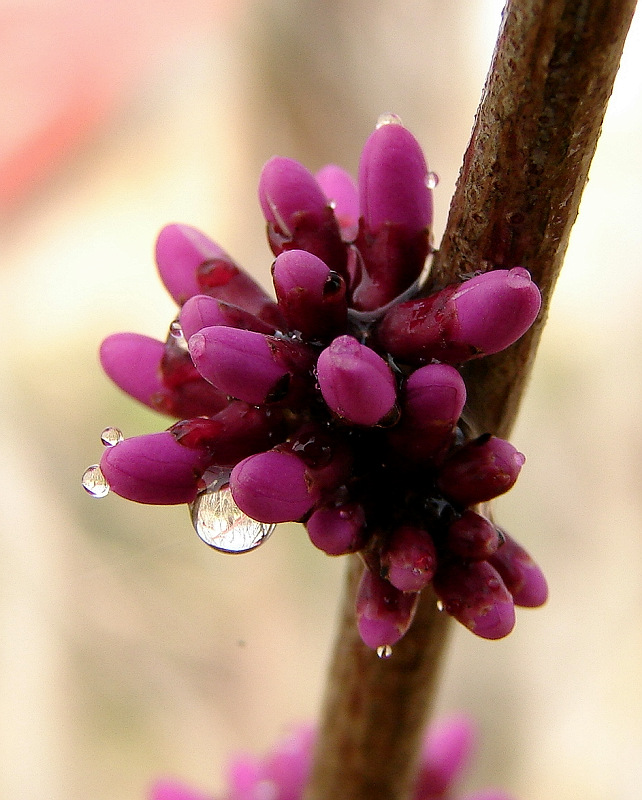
(339, 404)
(283, 773)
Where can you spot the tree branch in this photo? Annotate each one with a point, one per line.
(515, 202)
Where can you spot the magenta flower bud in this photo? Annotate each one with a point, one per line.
(476, 318)
(203, 311)
(117, 354)
(431, 404)
(154, 468)
(410, 559)
(180, 250)
(298, 213)
(237, 431)
(168, 789)
(383, 612)
(158, 374)
(523, 578)
(271, 487)
(393, 181)
(445, 751)
(480, 470)
(247, 365)
(396, 213)
(475, 595)
(223, 279)
(472, 536)
(343, 196)
(288, 766)
(311, 296)
(355, 382)
(337, 529)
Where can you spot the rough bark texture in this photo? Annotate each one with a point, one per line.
(516, 200)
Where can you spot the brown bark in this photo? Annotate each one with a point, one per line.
(515, 202)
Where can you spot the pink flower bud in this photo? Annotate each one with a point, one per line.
(343, 195)
(202, 311)
(396, 213)
(355, 382)
(245, 364)
(311, 296)
(337, 529)
(523, 578)
(445, 751)
(473, 536)
(180, 250)
(168, 789)
(476, 318)
(288, 766)
(117, 354)
(475, 595)
(393, 180)
(238, 431)
(384, 613)
(225, 280)
(480, 470)
(298, 213)
(271, 487)
(410, 559)
(154, 468)
(431, 404)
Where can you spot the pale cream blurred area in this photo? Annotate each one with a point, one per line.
(128, 649)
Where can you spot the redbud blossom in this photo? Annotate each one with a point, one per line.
(355, 382)
(338, 404)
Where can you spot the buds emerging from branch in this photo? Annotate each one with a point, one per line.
(340, 404)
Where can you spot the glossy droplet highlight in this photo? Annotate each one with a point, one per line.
(388, 119)
(111, 436)
(94, 482)
(432, 180)
(221, 524)
(384, 651)
(176, 330)
(440, 605)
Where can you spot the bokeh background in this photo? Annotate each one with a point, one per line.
(130, 650)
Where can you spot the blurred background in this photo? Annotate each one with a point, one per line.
(130, 650)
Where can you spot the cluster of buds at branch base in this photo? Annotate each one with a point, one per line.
(283, 773)
(340, 403)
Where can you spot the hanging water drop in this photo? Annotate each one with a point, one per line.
(332, 204)
(432, 180)
(176, 330)
(94, 482)
(388, 119)
(440, 605)
(221, 524)
(384, 651)
(111, 436)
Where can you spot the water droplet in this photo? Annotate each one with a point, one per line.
(384, 651)
(388, 119)
(111, 436)
(221, 524)
(440, 605)
(94, 482)
(176, 330)
(432, 180)
(332, 204)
